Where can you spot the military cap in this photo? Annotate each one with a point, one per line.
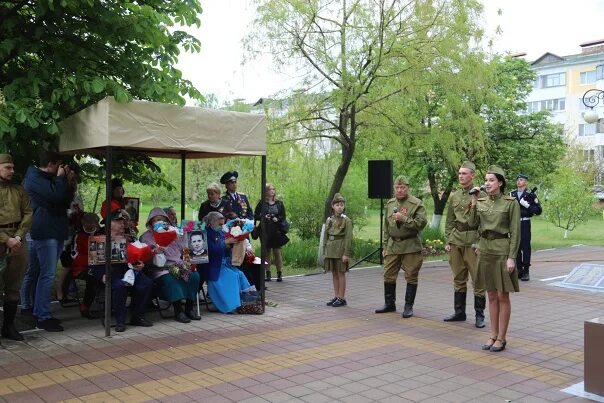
(229, 176)
(468, 165)
(6, 159)
(522, 176)
(337, 198)
(496, 169)
(401, 179)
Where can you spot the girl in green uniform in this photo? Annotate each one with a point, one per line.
(498, 219)
(337, 248)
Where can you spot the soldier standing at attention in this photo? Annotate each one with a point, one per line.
(497, 217)
(529, 206)
(15, 222)
(404, 220)
(238, 201)
(461, 241)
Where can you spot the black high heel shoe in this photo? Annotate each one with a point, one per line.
(488, 346)
(500, 348)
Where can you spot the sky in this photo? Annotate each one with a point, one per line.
(531, 26)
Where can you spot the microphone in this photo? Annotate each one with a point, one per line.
(394, 211)
(474, 191)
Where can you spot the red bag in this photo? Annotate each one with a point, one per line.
(139, 252)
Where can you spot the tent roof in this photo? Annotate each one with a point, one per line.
(162, 130)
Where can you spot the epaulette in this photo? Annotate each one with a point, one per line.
(509, 198)
(414, 200)
(482, 198)
(391, 200)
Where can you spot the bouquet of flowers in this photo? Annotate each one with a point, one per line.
(180, 271)
(238, 228)
(139, 252)
(164, 234)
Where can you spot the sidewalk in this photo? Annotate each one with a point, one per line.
(302, 350)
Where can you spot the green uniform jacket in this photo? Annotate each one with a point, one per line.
(460, 203)
(403, 237)
(499, 214)
(338, 237)
(15, 208)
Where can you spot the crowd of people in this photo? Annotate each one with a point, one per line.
(487, 239)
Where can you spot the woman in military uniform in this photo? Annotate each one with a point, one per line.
(498, 219)
(338, 248)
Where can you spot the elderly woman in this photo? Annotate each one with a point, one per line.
(214, 202)
(225, 282)
(173, 289)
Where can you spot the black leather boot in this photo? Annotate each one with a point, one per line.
(268, 276)
(279, 277)
(479, 305)
(389, 298)
(459, 304)
(409, 300)
(525, 274)
(8, 326)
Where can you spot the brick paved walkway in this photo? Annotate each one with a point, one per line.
(302, 350)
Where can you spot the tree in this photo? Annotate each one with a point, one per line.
(570, 200)
(58, 57)
(354, 55)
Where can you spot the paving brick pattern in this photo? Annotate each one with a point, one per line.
(304, 351)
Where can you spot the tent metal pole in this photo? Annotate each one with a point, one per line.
(108, 195)
(183, 159)
(262, 250)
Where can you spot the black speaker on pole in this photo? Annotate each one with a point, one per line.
(379, 179)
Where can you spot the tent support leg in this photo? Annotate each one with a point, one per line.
(262, 250)
(183, 159)
(108, 195)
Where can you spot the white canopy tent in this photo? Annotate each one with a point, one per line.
(161, 130)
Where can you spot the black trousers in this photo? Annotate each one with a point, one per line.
(523, 260)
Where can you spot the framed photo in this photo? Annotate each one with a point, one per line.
(132, 206)
(96, 250)
(197, 243)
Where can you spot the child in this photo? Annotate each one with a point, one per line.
(337, 248)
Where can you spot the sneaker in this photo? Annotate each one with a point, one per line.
(49, 325)
(331, 301)
(339, 302)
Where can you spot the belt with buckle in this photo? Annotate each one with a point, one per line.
(403, 238)
(463, 227)
(10, 225)
(525, 218)
(491, 235)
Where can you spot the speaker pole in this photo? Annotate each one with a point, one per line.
(381, 231)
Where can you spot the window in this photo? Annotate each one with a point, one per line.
(589, 155)
(587, 129)
(582, 106)
(557, 104)
(588, 77)
(553, 80)
(600, 72)
(532, 107)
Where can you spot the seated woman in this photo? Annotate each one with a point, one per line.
(225, 282)
(173, 289)
(119, 293)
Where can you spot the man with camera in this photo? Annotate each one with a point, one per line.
(529, 206)
(50, 197)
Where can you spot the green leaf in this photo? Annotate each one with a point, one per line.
(20, 116)
(97, 85)
(121, 95)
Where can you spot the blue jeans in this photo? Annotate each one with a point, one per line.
(40, 275)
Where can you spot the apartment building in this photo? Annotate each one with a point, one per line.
(559, 87)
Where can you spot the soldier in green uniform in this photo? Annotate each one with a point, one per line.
(461, 240)
(404, 220)
(498, 219)
(338, 248)
(15, 221)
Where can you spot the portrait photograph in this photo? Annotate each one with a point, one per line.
(96, 250)
(198, 246)
(132, 207)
